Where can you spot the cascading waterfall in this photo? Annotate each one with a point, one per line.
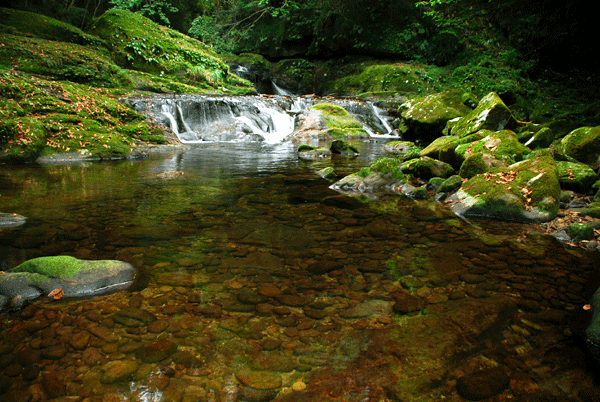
(270, 119)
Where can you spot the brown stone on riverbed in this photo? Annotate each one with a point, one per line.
(156, 351)
(80, 340)
(119, 370)
(407, 303)
(260, 379)
(483, 384)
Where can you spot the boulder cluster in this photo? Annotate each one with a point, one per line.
(478, 159)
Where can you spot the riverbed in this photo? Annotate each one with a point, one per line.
(258, 282)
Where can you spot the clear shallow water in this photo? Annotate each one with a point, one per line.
(262, 283)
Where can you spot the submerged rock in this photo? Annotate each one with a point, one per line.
(11, 220)
(64, 277)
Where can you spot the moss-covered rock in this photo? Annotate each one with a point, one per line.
(403, 149)
(490, 114)
(576, 176)
(380, 79)
(426, 168)
(479, 162)
(343, 148)
(384, 176)
(451, 184)
(309, 152)
(582, 144)
(541, 139)
(444, 148)
(581, 231)
(65, 277)
(295, 75)
(503, 145)
(526, 191)
(326, 122)
(427, 116)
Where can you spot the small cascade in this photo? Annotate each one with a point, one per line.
(280, 91)
(270, 119)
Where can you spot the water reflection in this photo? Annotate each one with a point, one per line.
(261, 283)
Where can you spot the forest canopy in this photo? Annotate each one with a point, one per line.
(551, 33)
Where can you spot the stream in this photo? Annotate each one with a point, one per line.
(258, 282)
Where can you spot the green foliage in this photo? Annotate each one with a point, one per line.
(154, 9)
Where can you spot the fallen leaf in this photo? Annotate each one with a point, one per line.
(56, 293)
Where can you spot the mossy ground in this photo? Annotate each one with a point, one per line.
(60, 87)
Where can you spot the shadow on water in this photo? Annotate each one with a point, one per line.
(257, 282)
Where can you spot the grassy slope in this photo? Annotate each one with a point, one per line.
(60, 87)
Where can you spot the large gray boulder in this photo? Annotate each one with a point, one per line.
(63, 277)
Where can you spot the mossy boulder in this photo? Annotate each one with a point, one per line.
(380, 79)
(527, 191)
(426, 168)
(427, 116)
(295, 75)
(490, 114)
(576, 176)
(342, 147)
(581, 231)
(309, 152)
(444, 148)
(384, 176)
(582, 144)
(479, 162)
(326, 122)
(503, 145)
(541, 139)
(403, 149)
(75, 278)
(451, 184)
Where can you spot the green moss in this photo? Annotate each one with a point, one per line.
(340, 123)
(472, 166)
(390, 167)
(383, 80)
(44, 27)
(54, 267)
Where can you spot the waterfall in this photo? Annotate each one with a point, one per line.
(270, 119)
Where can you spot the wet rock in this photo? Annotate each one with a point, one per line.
(156, 351)
(118, 370)
(426, 168)
(324, 266)
(208, 311)
(52, 386)
(407, 303)
(483, 384)
(260, 379)
(80, 340)
(249, 296)
(10, 220)
(158, 326)
(291, 300)
(75, 278)
(369, 308)
(54, 352)
(134, 317)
